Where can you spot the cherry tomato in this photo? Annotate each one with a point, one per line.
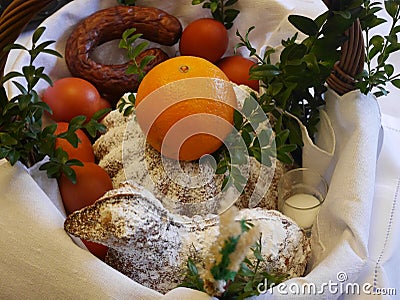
(206, 38)
(92, 182)
(70, 97)
(99, 250)
(237, 69)
(84, 151)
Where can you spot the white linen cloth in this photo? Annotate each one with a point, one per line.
(37, 257)
(356, 233)
(348, 160)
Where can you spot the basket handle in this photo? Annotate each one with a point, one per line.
(352, 59)
(13, 21)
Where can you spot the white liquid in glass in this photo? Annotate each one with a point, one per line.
(302, 208)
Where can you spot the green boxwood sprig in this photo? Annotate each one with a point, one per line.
(296, 82)
(241, 284)
(134, 49)
(379, 48)
(220, 10)
(23, 136)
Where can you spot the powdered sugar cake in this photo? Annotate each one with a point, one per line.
(151, 245)
(123, 152)
(151, 222)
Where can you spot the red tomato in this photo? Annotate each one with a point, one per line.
(84, 151)
(103, 103)
(206, 38)
(92, 183)
(237, 69)
(70, 97)
(96, 249)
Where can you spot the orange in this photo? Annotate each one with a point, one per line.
(185, 107)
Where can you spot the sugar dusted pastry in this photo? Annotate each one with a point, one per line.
(141, 220)
(124, 154)
(151, 245)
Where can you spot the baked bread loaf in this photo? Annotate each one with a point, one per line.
(123, 152)
(151, 245)
(162, 211)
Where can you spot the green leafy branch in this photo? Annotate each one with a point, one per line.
(23, 136)
(251, 275)
(241, 284)
(219, 10)
(294, 85)
(127, 2)
(253, 137)
(192, 277)
(379, 48)
(59, 162)
(220, 270)
(134, 49)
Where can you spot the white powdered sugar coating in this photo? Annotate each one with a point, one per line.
(151, 245)
(187, 188)
(162, 211)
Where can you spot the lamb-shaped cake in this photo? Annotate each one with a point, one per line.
(151, 245)
(124, 154)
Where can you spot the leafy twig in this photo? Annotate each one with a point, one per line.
(294, 85)
(192, 278)
(219, 10)
(241, 283)
(128, 42)
(379, 48)
(22, 136)
(253, 137)
(251, 275)
(134, 49)
(127, 2)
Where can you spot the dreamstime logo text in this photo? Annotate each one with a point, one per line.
(338, 287)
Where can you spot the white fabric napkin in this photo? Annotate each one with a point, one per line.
(348, 161)
(382, 269)
(39, 260)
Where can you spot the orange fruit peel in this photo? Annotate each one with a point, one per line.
(192, 103)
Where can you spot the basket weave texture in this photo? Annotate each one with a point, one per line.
(14, 20)
(20, 12)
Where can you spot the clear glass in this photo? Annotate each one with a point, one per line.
(301, 192)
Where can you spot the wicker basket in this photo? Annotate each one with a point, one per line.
(13, 21)
(18, 14)
(352, 58)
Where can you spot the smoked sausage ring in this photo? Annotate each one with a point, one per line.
(108, 24)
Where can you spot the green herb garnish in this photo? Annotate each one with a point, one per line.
(219, 10)
(226, 277)
(253, 137)
(379, 48)
(134, 49)
(294, 85)
(23, 136)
